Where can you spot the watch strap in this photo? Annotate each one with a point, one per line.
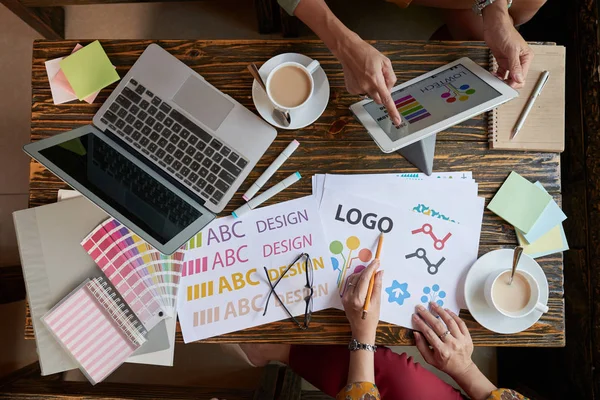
(479, 5)
(356, 345)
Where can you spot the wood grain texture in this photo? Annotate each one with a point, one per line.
(334, 144)
(58, 3)
(48, 22)
(589, 54)
(27, 384)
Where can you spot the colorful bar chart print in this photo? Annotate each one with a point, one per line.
(411, 110)
(140, 273)
(196, 266)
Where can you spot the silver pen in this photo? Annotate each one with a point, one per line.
(536, 92)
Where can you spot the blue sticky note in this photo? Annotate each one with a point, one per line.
(550, 217)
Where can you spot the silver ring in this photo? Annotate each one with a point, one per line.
(443, 335)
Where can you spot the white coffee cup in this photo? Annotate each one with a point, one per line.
(309, 70)
(534, 297)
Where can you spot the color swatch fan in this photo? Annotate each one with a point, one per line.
(96, 327)
(147, 279)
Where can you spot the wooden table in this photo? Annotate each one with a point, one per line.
(336, 143)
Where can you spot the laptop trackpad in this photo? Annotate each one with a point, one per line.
(203, 102)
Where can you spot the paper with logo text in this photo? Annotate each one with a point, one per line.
(425, 259)
(224, 286)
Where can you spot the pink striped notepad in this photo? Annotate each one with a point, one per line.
(96, 327)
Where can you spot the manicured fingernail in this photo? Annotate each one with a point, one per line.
(519, 77)
(448, 311)
(415, 317)
(433, 304)
(417, 337)
(420, 308)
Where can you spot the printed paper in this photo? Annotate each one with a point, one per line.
(224, 286)
(425, 259)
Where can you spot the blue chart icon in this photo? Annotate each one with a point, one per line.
(398, 292)
(433, 293)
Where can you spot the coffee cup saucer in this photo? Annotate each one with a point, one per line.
(309, 112)
(494, 262)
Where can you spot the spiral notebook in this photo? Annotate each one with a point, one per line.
(96, 327)
(544, 128)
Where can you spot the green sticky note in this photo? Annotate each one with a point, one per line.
(519, 202)
(89, 70)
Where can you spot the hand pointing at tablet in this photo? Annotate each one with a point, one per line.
(367, 71)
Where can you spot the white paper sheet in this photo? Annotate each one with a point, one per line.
(417, 270)
(224, 287)
(359, 182)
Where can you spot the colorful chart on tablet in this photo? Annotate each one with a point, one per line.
(432, 100)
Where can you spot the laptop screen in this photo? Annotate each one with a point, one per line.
(123, 185)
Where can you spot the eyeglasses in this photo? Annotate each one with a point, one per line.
(308, 299)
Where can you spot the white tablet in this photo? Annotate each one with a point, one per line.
(433, 102)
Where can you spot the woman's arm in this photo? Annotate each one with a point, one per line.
(448, 347)
(366, 70)
(513, 54)
(362, 364)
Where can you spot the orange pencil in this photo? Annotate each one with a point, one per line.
(372, 281)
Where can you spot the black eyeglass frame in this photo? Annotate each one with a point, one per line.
(307, 299)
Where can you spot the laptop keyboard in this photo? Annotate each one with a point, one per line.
(167, 137)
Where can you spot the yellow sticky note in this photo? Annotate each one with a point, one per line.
(552, 242)
(89, 70)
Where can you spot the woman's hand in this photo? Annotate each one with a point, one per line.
(367, 71)
(363, 330)
(449, 352)
(512, 53)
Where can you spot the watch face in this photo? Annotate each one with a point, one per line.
(353, 344)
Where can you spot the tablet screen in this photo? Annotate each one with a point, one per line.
(123, 185)
(432, 100)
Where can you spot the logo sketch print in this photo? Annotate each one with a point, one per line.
(404, 278)
(224, 288)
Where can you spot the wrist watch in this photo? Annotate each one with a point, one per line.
(479, 5)
(356, 345)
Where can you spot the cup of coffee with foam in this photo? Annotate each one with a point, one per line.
(515, 300)
(290, 85)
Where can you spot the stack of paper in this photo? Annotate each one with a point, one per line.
(81, 75)
(534, 214)
(432, 227)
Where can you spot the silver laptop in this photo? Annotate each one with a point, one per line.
(166, 153)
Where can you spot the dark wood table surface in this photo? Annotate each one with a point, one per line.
(336, 144)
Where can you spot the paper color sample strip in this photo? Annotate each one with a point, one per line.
(519, 202)
(94, 330)
(225, 287)
(89, 70)
(424, 259)
(147, 279)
